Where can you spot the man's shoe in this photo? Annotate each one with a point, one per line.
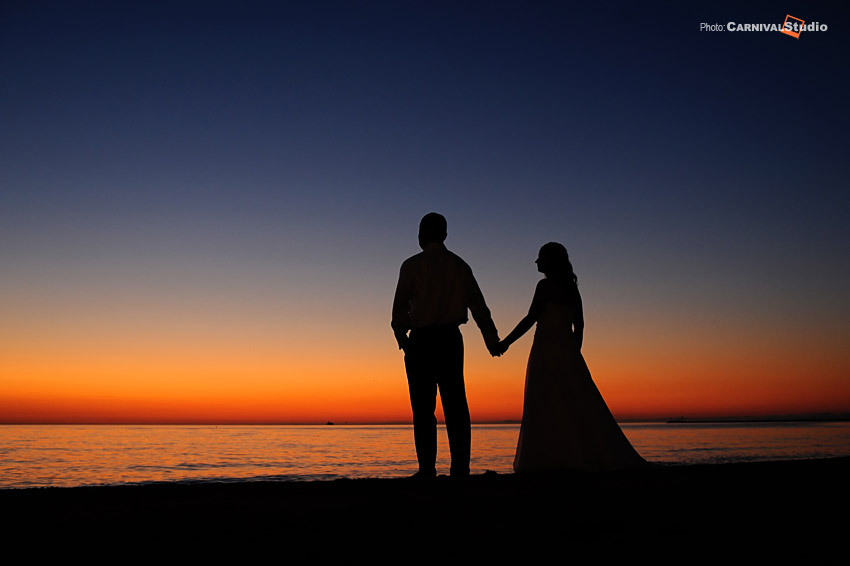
(423, 475)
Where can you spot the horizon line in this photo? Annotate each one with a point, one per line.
(806, 417)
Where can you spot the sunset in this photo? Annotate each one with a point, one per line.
(354, 279)
(204, 212)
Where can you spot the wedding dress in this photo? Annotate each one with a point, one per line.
(566, 424)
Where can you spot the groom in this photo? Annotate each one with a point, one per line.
(435, 289)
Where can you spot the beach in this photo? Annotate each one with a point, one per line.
(777, 505)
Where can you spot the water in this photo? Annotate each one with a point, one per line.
(74, 455)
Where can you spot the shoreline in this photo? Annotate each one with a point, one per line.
(793, 501)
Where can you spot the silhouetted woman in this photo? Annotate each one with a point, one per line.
(566, 424)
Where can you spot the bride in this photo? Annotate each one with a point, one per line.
(566, 424)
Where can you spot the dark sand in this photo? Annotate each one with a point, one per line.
(769, 507)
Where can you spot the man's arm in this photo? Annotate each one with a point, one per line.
(481, 314)
(401, 309)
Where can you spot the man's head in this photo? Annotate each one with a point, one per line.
(432, 229)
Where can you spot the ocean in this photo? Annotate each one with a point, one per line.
(78, 455)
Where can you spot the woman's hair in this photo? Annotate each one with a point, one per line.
(558, 261)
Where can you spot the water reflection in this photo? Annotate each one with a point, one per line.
(52, 455)
(714, 443)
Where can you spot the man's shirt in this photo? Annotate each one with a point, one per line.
(435, 288)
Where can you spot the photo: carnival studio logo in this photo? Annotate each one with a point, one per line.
(791, 26)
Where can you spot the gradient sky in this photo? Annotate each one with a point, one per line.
(203, 209)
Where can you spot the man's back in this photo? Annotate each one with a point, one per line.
(435, 288)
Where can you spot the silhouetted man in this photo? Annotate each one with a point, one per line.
(435, 289)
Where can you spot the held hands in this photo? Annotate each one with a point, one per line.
(498, 348)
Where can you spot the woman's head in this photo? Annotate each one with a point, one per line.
(553, 259)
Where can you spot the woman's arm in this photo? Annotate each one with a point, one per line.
(537, 304)
(578, 321)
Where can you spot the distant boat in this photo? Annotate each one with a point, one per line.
(330, 423)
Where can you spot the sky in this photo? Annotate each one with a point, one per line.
(204, 206)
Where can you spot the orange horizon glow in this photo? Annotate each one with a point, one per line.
(177, 366)
(356, 390)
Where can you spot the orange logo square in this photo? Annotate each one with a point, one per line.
(787, 30)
